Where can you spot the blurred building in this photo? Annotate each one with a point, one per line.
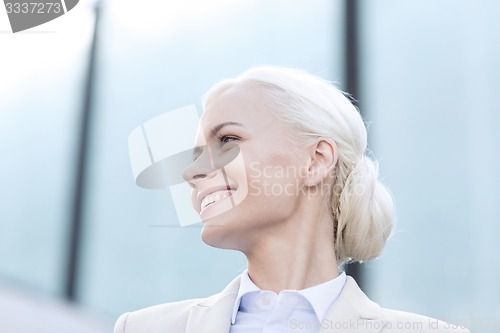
(427, 79)
(26, 312)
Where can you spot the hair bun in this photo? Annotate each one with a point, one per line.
(365, 214)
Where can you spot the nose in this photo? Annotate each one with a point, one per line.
(200, 168)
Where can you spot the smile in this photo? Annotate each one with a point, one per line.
(215, 197)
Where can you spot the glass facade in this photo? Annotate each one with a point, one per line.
(428, 85)
(40, 95)
(429, 89)
(133, 257)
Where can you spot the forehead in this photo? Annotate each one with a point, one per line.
(242, 104)
(236, 101)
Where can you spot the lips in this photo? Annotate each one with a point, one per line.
(214, 195)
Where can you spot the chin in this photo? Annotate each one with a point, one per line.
(222, 231)
(216, 236)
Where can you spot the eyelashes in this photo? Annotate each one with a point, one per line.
(223, 139)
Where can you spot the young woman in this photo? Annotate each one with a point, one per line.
(281, 174)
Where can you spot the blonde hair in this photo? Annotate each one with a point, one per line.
(361, 207)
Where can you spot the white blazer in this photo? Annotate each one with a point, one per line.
(353, 312)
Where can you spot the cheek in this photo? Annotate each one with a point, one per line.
(274, 183)
(235, 172)
(266, 175)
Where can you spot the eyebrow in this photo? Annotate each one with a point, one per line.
(217, 128)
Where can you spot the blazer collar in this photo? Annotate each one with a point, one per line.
(213, 314)
(353, 311)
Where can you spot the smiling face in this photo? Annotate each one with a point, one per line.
(245, 176)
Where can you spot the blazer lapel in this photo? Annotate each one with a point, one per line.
(353, 311)
(213, 314)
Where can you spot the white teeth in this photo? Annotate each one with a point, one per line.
(213, 197)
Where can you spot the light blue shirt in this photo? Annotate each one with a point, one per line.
(300, 311)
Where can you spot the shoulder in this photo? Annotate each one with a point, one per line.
(354, 311)
(171, 317)
(395, 321)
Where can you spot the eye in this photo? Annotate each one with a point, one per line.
(227, 138)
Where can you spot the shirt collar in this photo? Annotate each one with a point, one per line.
(315, 294)
(323, 295)
(246, 286)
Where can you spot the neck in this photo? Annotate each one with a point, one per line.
(299, 255)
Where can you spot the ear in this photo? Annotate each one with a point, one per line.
(322, 160)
